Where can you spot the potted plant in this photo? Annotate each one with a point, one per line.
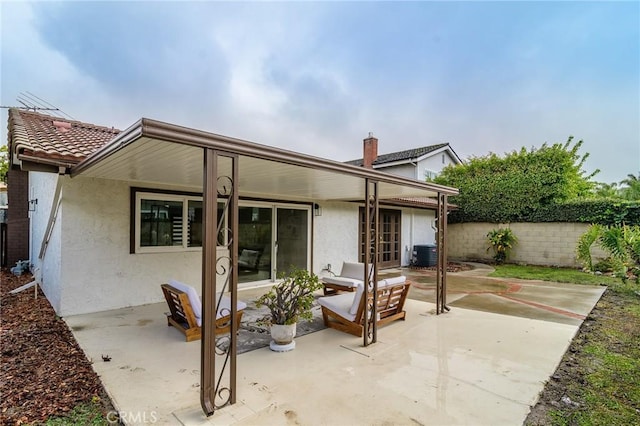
(289, 301)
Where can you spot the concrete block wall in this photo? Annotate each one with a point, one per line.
(549, 244)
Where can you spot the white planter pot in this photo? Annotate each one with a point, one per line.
(282, 337)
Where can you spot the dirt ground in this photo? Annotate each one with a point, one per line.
(43, 371)
(568, 390)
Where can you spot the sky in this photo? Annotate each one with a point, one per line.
(317, 77)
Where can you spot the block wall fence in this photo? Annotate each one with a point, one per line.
(548, 244)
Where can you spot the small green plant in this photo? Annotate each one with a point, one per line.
(292, 298)
(501, 241)
(604, 266)
(621, 242)
(85, 413)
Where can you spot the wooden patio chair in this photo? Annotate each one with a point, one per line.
(186, 311)
(346, 311)
(351, 275)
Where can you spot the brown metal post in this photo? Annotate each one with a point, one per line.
(232, 214)
(367, 260)
(441, 247)
(215, 394)
(370, 332)
(444, 252)
(207, 356)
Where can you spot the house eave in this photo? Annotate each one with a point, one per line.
(153, 130)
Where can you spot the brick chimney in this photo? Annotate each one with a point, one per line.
(370, 151)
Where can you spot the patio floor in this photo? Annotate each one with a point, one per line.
(469, 366)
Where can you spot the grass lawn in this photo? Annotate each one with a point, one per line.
(598, 379)
(544, 273)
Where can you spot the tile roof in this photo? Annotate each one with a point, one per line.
(52, 139)
(401, 155)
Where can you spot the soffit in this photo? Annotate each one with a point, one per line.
(157, 162)
(159, 153)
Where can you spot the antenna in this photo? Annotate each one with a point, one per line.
(31, 102)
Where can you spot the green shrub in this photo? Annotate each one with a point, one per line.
(501, 241)
(602, 211)
(604, 266)
(621, 242)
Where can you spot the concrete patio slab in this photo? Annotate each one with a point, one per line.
(463, 367)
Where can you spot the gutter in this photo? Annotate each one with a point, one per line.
(55, 165)
(124, 138)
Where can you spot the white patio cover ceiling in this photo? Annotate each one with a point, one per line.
(157, 153)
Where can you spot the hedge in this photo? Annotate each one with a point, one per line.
(603, 211)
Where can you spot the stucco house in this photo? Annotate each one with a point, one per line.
(105, 216)
(417, 163)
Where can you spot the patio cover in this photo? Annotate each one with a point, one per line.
(156, 152)
(165, 154)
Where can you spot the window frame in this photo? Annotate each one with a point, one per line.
(137, 195)
(430, 174)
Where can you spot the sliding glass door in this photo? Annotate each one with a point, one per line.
(272, 238)
(292, 239)
(255, 228)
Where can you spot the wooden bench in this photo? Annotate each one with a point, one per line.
(183, 317)
(346, 311)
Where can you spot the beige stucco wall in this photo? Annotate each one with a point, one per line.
(552, 244)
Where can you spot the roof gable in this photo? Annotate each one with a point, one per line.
(407, 155)
(43, 138)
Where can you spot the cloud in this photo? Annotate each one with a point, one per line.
(317, 77)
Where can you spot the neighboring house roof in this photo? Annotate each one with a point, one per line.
(408, 155)
(52, 140)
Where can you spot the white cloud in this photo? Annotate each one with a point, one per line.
(317, 77)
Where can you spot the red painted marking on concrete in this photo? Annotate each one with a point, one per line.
(546, 307)
(514, 288)
(511, 288)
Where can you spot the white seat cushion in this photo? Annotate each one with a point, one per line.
(393, 281)
(340, 304)
(343, 281)
(194, 299)
(196, 304)
(249, 258)
(224, 308)
(353, 270)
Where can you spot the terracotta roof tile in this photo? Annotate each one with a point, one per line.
(401, 155)
(55, 139)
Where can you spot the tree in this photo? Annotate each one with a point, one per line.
(606, 190)
(509, 188)
(632, 189)
(4, 163)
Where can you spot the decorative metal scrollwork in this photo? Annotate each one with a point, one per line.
(224, 274)
(223, 395)
(371, 257)
(224, 186)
